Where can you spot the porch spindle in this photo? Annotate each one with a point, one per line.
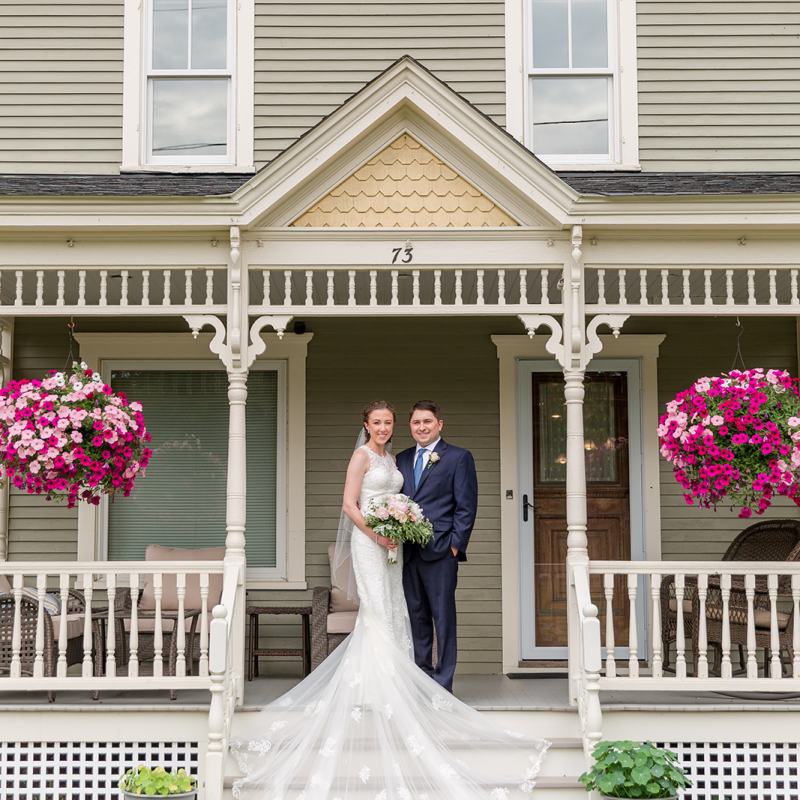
(60, 296)
(103, 288)
(707, 287)
(479, 288)
(329, 300)
(145, 287)
(633, 642)
(415, 287)
(111, 631)
(601, 287)
(63, 586)
(187, 287)
(729, 287)
(309, 288)
(351, 287)
(87, 668)
(796, 626)
(180, 627)
(82, 287)
(437, 287)
(38, 662)
(166, 299)
(621, 286)
(394, 301)
(287, 287)
(203, 661)
(265, 290)
(18, 287)
(209, 287)
(680, 636)
(773, 295)
(793, 280)
(664, 287)
(501, 287)
(458, 298)
(123, 288)
(643, 287)
(701, 657)
(523, 287)
(774, 635)
(39, 287)
(133, 658)
(750, 591)
(158, 627)
(687, 299)
(373, 287)
(545, 287)
(655, 595)
(726, 669)
(16, 633)
(608, 590)
(751, 287)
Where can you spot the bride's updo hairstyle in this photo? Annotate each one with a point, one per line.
(376, 405)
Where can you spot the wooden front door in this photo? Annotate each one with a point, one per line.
(605, 416)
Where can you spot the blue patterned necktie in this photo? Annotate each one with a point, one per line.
(418, 465)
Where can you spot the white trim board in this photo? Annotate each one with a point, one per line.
(510, 350)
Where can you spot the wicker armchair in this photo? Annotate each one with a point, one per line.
(767, 540)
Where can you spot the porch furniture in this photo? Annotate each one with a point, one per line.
(254, 651)
(333, 614)
(767, 540)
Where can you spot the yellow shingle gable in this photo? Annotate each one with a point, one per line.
(404, 186)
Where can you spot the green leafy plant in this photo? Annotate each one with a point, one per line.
(634, 770)
(157, 782)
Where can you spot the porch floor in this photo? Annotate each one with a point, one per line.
(484, 692)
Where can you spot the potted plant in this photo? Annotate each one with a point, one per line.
(634, 770)
(157, 782)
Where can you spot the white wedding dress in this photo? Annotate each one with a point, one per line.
(368, 723)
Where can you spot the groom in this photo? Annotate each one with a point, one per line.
(441, 479)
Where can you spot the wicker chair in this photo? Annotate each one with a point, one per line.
(737, 614)
(767, 540)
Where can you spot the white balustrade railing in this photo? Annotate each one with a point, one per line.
(706, 625)
(84, 626)
(353, 291)
(95, 291)
(692, 290)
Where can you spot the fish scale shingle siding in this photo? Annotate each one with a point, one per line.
(719, 85)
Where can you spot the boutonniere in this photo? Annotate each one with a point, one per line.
(433, 459)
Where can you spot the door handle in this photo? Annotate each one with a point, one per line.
(525, 506)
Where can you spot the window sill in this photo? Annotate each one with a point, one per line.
(187, 169)
(600, 167)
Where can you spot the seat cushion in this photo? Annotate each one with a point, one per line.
(169, 598)
(74, 626)
(342, 621)
(340, 579)
(761, 618)
(687, 605)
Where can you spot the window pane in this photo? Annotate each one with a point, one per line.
(570, 116)
(170, 34)
(209, 34)
(181, 500)
(550, 32)
(589, 33)
(190, 116)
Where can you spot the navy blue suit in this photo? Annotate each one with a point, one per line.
(448, 495)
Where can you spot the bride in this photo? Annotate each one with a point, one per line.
(368, 723)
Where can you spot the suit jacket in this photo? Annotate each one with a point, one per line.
(448, 495)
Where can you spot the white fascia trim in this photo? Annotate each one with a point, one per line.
(100, 348)
(134, 95)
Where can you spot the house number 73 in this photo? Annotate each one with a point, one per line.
(407, 253)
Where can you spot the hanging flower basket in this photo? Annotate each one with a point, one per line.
(70, 436)
(736, 437)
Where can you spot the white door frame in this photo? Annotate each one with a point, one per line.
(510, 351)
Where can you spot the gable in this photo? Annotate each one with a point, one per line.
(405, 186)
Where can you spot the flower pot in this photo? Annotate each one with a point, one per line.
(183, 796)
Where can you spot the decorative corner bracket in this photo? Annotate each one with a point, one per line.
(256, 344)
(554, 344)
(217, 345)
(593, 343)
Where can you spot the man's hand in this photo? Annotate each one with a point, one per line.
(454, 551)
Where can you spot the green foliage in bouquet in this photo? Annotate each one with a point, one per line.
(634, 770)
(156, 782)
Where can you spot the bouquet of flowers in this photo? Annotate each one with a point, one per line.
(738, 436)
(399, 518)
(69, 435)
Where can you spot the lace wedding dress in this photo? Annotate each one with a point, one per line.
(368, 723)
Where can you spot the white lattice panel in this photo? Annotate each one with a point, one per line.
(82, 770)
(740, 770)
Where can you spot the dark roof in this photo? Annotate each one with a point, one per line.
(682, 183)
(125, 185)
